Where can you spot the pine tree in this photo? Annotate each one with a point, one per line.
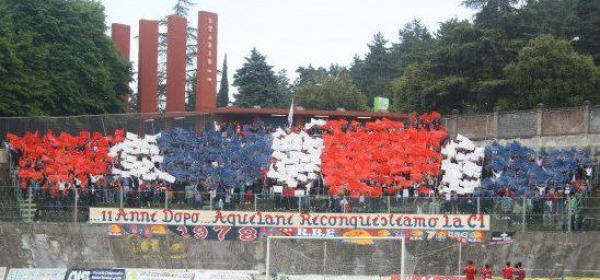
(374, 74)
(258, 85)
(588, 12)
(223, 95)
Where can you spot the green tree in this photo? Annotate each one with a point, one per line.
(309, 74)
(555, 17)
(56, 60)
(330, 92)
(409, 91)
(374, 74)
(463, 70)
(223, 95)
(258, 85)
(588, 13)
(414, 47)
(284, 88)
(549, 71)
(495, 15)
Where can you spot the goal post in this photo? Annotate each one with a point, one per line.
(364, 245)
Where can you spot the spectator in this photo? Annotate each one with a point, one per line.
(190, 195)
(228, 199)
(249, 196)
(345, 205)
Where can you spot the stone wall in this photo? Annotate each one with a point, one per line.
(526, 124)
(540, 128)
(53, 245)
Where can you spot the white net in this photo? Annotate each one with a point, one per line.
(436, 258)
(337, 258)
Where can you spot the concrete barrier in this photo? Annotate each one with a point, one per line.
(52, 245)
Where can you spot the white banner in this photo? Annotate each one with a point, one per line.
(224, 274)
(37, 274)
(2, 272)
(391, 221)
(160, 274)
(182, 274)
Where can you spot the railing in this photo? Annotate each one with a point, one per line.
(507, 214)
(107, 124)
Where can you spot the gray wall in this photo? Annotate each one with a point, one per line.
(540, 128)
(48, 245)
(527, 124)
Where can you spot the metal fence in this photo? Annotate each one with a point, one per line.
(498, 125)
(106, 124)
(507, 214)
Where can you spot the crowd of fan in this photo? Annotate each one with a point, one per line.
(513, 185)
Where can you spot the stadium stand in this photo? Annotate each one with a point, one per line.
(375, 166)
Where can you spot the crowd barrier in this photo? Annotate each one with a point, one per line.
(125, 274)
(509, 214)
(199, 274)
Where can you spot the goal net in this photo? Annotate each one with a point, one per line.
(319, 257)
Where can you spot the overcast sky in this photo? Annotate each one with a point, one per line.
(294, 33)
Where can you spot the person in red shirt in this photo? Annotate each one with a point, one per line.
(507, 271)
(521, 271)
(470, 271)
(486, 272)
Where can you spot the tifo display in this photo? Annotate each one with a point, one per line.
(336, 157)
(379, 157)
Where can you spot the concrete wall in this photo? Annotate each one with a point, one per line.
(540, 128)
(526, 124)
(47, 245)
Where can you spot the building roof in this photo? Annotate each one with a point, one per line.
(298, 111)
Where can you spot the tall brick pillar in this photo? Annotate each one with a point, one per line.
(148, 67)
(121, 36)
(176, 47)
(206, 87)
(206, 83)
